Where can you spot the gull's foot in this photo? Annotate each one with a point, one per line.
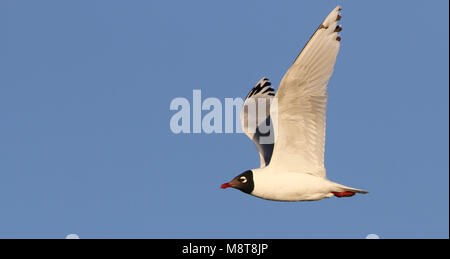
(343, 194)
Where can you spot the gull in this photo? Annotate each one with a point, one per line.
(292, 164)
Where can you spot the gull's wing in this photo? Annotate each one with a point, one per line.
(302, 103)
(262, 136)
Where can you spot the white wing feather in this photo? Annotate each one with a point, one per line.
(302, 103)
(261, 93)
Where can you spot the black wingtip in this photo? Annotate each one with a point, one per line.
(263, 84)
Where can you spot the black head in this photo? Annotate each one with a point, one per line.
(243, 182)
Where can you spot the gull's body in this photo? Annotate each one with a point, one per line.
(292, 168)
(294, 186)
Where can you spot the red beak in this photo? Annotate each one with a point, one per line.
(225, 185)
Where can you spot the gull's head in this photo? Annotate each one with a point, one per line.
(243, 182)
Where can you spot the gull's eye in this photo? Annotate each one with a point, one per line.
(243, 179)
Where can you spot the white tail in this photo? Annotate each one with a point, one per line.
(343, 188)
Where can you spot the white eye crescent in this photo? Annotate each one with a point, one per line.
(243, 179)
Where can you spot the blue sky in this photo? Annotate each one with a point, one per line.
(85, 142)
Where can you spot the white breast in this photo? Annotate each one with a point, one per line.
(290, 186)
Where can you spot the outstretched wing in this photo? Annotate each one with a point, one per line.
(302, 103)
(255, 119)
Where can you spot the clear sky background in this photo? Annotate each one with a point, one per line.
(85, 142)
